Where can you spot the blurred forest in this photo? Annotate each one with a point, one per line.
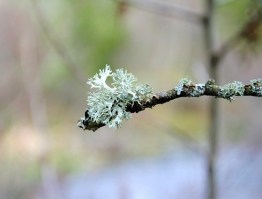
(48, 51)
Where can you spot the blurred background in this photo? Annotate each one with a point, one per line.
(48, 51)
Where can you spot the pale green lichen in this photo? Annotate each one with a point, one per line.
(183, 82)
(199, 90)
(229, 91)
(194, 90)
(256, 86)
(108, 103)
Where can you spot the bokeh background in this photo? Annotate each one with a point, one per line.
(49, 49)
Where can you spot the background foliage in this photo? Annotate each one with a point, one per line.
(50, 48)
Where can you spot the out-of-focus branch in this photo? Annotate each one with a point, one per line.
(212, 62)
(166, 9)
(249, 31)
(227, 91)
(74, 68)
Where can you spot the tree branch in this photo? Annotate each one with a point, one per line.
(248, 31)
(166, 9)
(186, 89)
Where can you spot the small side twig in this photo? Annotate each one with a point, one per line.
(186, 89)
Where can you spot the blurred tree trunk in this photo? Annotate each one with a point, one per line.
(212, 63)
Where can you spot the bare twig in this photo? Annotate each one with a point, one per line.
(188, 90)
(248, 31)
(166, 9)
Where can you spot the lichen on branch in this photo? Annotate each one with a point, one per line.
(111, 104)
(107, 104)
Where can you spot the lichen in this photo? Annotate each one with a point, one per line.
(198, 90)
(256, 86)
(108, 103)
(193, 90)
(183, 82)
(229, 91)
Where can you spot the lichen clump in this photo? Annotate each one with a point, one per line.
(108, 103)
(256, 85)
(183, 82)
(229, 91)
(194, 90)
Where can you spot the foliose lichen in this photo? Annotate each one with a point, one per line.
(256, 86)
(199, 90)
(194, 90)
(183, 82)
(108, 103)
(229, 91)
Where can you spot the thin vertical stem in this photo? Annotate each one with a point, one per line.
(212, 62)
(212, 156)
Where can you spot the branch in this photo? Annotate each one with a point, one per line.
(186, 89)
(249, 31)
(166, 9)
